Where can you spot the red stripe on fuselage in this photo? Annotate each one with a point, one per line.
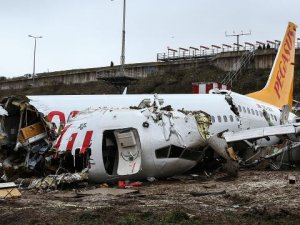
(57, 145)
(86, 141)
(71, 142)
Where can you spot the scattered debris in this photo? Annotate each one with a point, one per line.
(55, 181)
(128, 184)
(243, 203)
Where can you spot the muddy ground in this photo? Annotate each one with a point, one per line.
(256, 197)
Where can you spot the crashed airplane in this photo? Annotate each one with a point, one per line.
(172, 133)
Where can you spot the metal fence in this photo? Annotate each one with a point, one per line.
(208, 53)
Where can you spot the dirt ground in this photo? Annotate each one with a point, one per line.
(255, 197)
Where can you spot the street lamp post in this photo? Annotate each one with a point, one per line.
(123, 35)
(34, 51)
(122, 58)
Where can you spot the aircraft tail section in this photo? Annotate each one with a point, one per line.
(279, 88)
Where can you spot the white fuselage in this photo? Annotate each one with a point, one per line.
(249, 116)
(213, 104)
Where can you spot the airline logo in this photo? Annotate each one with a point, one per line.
(285, 59)
(61, 116)
(279, 88)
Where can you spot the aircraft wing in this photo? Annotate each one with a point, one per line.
(256, 133)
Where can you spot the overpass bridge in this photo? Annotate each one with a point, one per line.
(226, 61)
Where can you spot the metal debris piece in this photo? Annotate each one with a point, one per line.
(9, 190)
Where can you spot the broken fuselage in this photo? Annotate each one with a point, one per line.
(158, 141)
(131, 143)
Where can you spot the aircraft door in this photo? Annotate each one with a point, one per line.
(129, 150)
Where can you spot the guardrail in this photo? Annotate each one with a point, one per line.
(207, 53)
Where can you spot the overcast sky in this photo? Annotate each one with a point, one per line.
(87, 33)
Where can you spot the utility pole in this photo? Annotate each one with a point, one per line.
(237, 37)
(122, 58)
(34, 51)
(123, 36)
(120, 79)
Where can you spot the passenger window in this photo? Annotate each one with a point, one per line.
(212, 119)
(261, 114)
(240, 108)
(244, 109)
(275, 118)
(252, 112)
(272, 116)
(256, 112)
(219, 119)
(231, 118)
(237, 119)
(225, 118)
(248, 110)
